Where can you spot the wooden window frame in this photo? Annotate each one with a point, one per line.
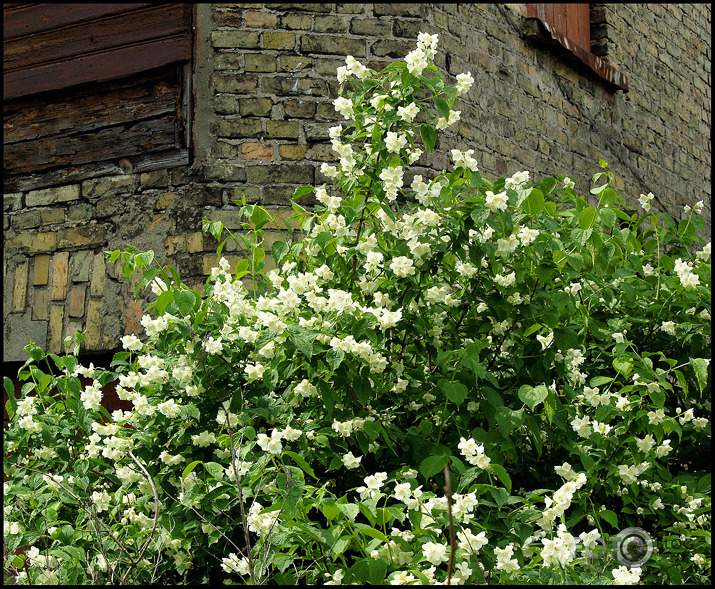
(89, 49)
(568, 26)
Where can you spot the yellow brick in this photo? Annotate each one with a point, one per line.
(165, 200)
(195, 242)
(42, 270)
(99, 276)
(93, 325)
(39, 304)
(19, 289)
(57, 313)
(60, 266)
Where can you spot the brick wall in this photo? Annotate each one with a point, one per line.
(264, 79)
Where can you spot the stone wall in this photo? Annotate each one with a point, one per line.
(264, 79)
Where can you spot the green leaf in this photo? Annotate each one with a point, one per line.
(623, 366)
(610, 517)
(11, 404)
(501, 473)
(683, 382)
(373, 533)
(700, 366)
(532, 396)
(429, 137)
(431, 465)
(300, 461)
(534, 203)
(455, 391)
(215, 470)
(260, 217)
(302, 191)
(442, 107)
(185, 301)
(189, 467)
(508, 420)
(608, 217)
(164, 300)
(349, 509)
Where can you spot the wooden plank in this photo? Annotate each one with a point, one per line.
(584, 26)
(97, 67)
(105, 33)
(142, 137)
(559, 18)
(82, 112)
(28, 19)
(155, 161)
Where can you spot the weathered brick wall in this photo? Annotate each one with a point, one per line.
(263, 85)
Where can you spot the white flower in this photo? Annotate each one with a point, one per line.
(394, 142)
(351, 461)
(497, 201)
(416, 61)
(409, 112)
(254, 371)
(619, 337)
(344, 106)
(464, 82)
(668, 327)
(626, 576)
(402, 266)
(435, 553)
(518, 180)
(464, 159)
(568, 183)
(213, 346)
(234, 564)
(645, 199)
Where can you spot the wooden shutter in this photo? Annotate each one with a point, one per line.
(93, 90)
(573, 21)
(54, 46)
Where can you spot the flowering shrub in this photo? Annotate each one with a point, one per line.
(451, 381)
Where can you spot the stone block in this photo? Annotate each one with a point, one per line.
(330, 44)
(50, 196)
(389, 9)
(19, 330)
(195, 241)
(53, 216)
(11, 202)
(233, 83)
(154, 179)
(257, 151)
(227, 19)
(277, 195)
(75, 301)
(278, 40)
(394, 48)
(260, 19)
(260, 62)
(281, 174)
(300, 22)
(330, 24)
(110, 185)
(238, 128)
(282, 129)
(80, 264)
(41, 270)
(26, 219)
(87, 236)
(235, 39)
(299, 109)
(293, 63)
(317, 131)
(407, 28)
(174, 244)
(292, 152)
(19, 287)
(80, 212)
(57, 314)
(93, 325)
(40, 302)
(60, 270)
(370, 27)
(164, 200)
(350, 8)
(255, 107)
(226, 172)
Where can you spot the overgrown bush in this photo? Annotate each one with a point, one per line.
(453, 381)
